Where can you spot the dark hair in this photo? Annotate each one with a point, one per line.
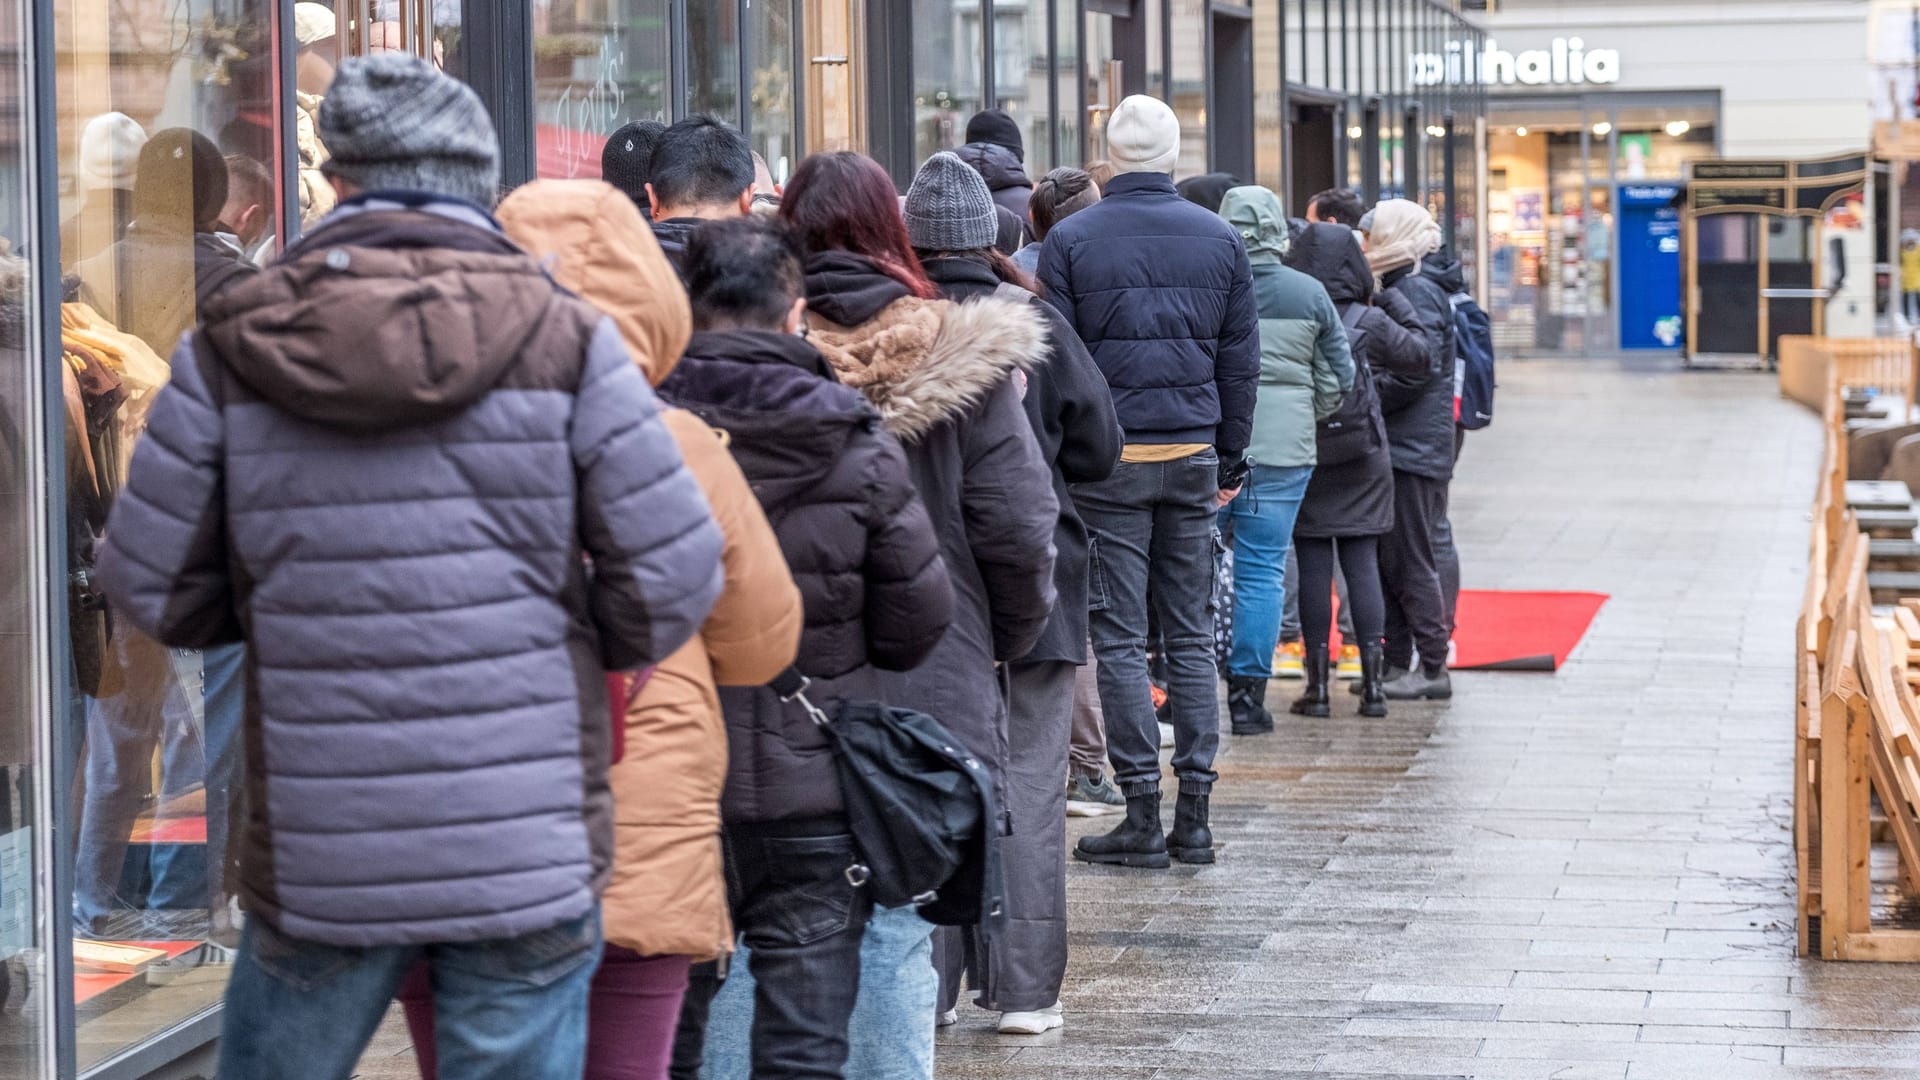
(249, 180)
(996, 260)
(626, 161)
(1059, 194)
(1338, 205)
(743, 272)
(845, 201)
(700, 161)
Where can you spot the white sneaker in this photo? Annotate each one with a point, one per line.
(947, 1019)
(1032, 1023)
(1166, 735)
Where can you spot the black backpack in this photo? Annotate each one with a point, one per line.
(921, 809)
(1350, 433)
(1473, 381)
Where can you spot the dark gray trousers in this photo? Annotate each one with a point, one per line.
(1022, 969)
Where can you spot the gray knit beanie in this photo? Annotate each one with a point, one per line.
(393, 122)
(949, 208)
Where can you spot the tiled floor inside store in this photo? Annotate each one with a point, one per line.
(1582, 876)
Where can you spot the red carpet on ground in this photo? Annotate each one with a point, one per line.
(1520, 631)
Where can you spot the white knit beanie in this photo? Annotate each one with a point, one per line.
(1143, 135)
(110, 151)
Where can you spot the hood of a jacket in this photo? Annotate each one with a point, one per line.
(1208, 190)
(1256, 214)
(1446, 271)
(849, 289)
(674, 232)
(382, 318)
(997, 165)
(961, 270)
(922, 362)
(1328, 253)
(594, 241)
(776, 398)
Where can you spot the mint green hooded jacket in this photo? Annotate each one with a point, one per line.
(1305, 365)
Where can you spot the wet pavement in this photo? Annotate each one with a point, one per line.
(1580, 876)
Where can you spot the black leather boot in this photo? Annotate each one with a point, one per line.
(1313, 698)
(1247, 706)
(1191, 841)
(1136, 841)
(1373, 680)
(1388, 672)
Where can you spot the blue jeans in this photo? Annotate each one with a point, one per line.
(1260, 520)
(1154, 520)
(508, 1009)
(891, 1033)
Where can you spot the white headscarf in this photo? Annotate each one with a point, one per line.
(1402, 234)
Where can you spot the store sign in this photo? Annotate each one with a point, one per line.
(1567, 61)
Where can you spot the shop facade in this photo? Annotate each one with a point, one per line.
(1595, 113)
(119, 759)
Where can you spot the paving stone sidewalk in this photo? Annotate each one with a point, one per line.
(1582, 876)
(1579, 876)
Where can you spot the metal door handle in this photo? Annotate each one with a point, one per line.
(1797, 294)
(830, 60)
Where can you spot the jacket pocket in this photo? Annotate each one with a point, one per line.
(1096, 575)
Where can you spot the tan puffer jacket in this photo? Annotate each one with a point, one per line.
(667, 896)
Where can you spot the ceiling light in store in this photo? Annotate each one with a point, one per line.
(1677, 128)
(1354, 132)
(1436, 131)
(1521, 131)
(1602, 128)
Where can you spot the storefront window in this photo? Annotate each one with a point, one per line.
(770, 26)
(166, 132)
(1102, 82)
(1069, 84)
(1021, 76)
(596, 66)
(26, 980)
(1189, 99)
(947, 67)
(713, 60)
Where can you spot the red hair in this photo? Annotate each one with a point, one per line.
(845, 201)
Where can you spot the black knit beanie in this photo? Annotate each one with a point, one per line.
(627, 161)
(996, 127)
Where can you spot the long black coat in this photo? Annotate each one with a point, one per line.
(1071, 411)
(1419, 411)
(1355, 497)
(855, 535)
(945, 378)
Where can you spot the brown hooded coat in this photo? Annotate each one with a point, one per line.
(667, 895)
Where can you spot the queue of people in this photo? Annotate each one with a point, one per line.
(555, 536)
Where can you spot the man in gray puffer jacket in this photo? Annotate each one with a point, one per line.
(432, 493)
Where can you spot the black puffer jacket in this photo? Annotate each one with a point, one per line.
(1419, 411)
(855, 535)
(1071, 411)
(1353, 495)
(1004, 173)
(945, 378)
(673, 234)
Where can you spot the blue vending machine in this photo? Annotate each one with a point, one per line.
(1649, 267)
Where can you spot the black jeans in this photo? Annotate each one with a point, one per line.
(803, 921)
(1359, 557)
(1151, 524)
(1416, 603)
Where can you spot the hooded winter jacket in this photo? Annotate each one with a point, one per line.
(1072, 416)
(1351, 494)
(945, 378)
(1305, 367)
(855, 536)
(434, 496)
(1420, 414)
(1162, 294)
(672, 235)
(667, 895)
(1004, 173)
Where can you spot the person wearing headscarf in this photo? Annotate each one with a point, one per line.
(1419, 417)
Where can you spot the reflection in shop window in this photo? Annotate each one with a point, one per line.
(1189, 98)
(596, 67)
(167, 140)
(947, 69)
(770, 45)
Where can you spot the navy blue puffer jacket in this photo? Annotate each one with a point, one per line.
(1162, 294)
